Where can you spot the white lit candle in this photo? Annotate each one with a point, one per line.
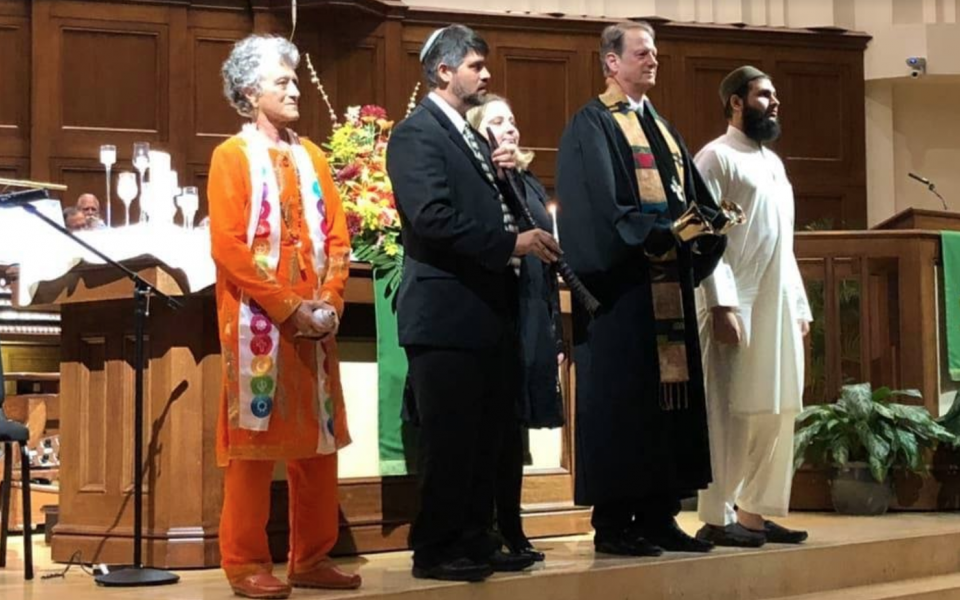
(552, 207)
(108, 155)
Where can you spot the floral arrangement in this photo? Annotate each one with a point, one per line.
(357, 152)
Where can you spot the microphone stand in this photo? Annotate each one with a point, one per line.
(930, 186)
(136, 575)
(933, 189)
(515, 198)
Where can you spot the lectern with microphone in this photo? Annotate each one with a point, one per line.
(136, 574)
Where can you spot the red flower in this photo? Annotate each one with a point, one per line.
(372, 110)
(348, 172)
(354, 223)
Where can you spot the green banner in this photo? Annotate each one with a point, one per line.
(950, 241)
(392, 375)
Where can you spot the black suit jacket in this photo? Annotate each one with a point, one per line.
(457, 290)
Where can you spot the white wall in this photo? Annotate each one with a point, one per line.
(926, 133)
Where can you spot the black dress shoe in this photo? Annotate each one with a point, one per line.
(523, 547)
(503, 562)
(734, 535)
(460, 569)
(626, 546)
(673, 539)
(778, 534)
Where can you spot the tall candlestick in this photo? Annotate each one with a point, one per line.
(108, 158)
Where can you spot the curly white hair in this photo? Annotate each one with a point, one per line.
(242, 70)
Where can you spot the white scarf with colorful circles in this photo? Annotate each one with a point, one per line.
(259, 337)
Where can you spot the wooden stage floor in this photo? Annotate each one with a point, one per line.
(905, 555)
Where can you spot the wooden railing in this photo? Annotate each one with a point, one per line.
(875, 298)
(876, 302)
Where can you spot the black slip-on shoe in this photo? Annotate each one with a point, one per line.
(673, 539)
(778, 534)
(627, 546)
(734, 535)
(460, 569)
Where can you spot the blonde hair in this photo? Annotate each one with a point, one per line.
(475, 117)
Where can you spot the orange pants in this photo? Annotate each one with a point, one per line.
(312, 485)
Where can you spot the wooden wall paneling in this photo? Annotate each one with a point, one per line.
(822, 204)
(112, 70)
(15, 99)
(180, 76)
(817, 208)
(411, 73)
(14, 168)
(539, 83)
(396, 92)
(43, 72)
(814, 115)
(351, 65)
(314, 121)
(211, 119)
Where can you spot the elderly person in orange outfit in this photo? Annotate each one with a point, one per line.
(279, 240)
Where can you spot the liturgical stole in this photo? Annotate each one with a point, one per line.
(665, 283)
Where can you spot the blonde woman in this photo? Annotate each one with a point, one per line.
(540, 402)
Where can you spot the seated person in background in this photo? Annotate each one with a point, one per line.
(89, 205)
(74, 219)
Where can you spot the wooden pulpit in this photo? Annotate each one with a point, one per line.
(923, 219)
(183, 486)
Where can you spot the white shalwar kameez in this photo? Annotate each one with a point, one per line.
(754, 390)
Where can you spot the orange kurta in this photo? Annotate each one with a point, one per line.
(294, 427)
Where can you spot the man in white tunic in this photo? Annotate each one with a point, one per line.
(753, 316)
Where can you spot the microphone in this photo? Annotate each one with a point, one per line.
(930, 186)
(23, 197)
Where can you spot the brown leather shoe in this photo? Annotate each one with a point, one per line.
(260, 585)
(326, 576)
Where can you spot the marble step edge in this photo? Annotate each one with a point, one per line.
(941, 587)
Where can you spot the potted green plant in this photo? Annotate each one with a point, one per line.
(862, 437)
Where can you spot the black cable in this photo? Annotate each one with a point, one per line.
(75, 559)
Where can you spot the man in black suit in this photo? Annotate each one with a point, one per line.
(457, 308)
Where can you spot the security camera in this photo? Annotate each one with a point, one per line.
(918, 66)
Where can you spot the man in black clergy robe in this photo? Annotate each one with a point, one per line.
(623, 177)
(457, 309)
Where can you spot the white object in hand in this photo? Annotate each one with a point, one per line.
(325, 318)
(552, 207)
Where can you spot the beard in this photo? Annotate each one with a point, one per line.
(471, 100)
(758, 126)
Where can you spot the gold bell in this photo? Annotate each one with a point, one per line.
(691, 224)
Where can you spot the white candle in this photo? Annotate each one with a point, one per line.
(108, 155)
(552, 207)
